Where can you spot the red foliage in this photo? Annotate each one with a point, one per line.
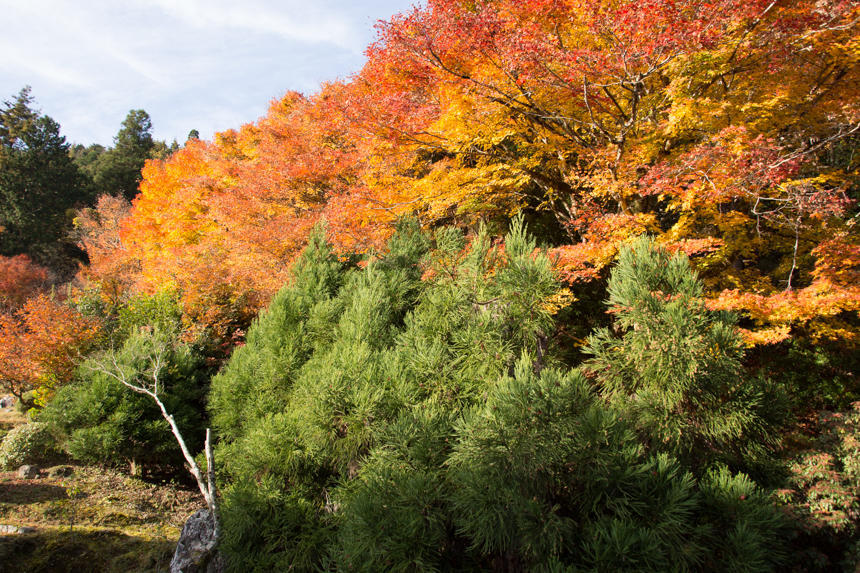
(721, 126)
(20, 279)
(41, 344)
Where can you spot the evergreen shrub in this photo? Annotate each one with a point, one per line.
(413, 414)
(29, 443)
(674, 367)
(98, 420)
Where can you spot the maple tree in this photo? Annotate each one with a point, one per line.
(221, 222)
(174, 236)
(98, 233)
(20, 279)
(41, 344)
(725, 128)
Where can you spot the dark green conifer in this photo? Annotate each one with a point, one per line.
(98, 420)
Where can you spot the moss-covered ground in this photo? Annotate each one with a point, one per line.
(94, 520)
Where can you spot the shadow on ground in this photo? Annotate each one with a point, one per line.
(22, 492)
(63, 551)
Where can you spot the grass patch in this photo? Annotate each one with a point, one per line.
(9, 418)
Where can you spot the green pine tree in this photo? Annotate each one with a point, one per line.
(40, 185)
(412, 415)
(674, 367)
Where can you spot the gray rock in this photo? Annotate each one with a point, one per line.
(15, 530)
(28, 472)
(195, 552)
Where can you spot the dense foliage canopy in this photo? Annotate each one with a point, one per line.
(727, 129)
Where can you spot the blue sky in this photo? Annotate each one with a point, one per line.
(208, 65)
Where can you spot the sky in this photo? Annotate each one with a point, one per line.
(208, 65)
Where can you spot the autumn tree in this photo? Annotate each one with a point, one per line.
(726, 129)
(176, 238)
(20, 279)
(220, 222)
(98, 233)
(624, 118)
(42, 343)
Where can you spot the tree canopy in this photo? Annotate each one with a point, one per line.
(40, 185)
(726, 129)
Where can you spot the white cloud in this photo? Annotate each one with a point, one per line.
(205, 64)
(307, 22)
(84, 42)
(43, 67)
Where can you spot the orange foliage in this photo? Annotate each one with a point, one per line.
(176, 233)
(725, 127)
(98, 232)
(220, 222)
(20, 278)
(834, 290)
(41, 344)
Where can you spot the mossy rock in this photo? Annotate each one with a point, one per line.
(62, 471)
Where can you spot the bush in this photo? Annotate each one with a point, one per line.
(379, 422)
(820, 374)
(98, 420)
(674, 367)
(823, 495)
(159, 311)
(30, 443)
